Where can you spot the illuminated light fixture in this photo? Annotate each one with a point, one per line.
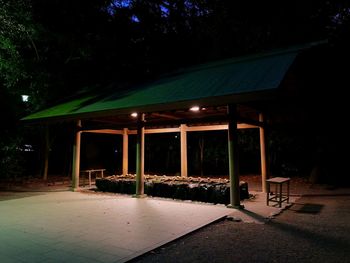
(203, 108)
(195, 108)
(134, 114)
(25, 98)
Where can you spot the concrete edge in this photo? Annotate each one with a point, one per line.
(138, 255)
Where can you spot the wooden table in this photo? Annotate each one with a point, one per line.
(90, 171)
(278, 196)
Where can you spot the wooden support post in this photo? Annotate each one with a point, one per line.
(143, 152)
(233, 157)
(183, 150)
(140, 156)
(263, 155)
(46, 153)
(76, 157)
(125, 151)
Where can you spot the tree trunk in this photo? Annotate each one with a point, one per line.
(46, 154)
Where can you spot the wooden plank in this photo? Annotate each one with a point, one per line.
(160, 130)
(207, 128)
(105, 131)
(168, 116)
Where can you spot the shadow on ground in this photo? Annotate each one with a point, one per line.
(11, 195)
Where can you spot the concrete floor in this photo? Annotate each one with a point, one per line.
(81, 227)
(315, 229)
(256, 211)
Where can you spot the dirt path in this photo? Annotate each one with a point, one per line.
(315, 229)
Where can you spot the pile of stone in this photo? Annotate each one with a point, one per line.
(208, 190)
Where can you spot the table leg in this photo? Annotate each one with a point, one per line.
(268, 193)
(288, 192)
(280, 196)
(89, 178)
(276, 191)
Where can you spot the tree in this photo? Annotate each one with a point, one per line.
(55, 49)
(16, 42)
(14, 30)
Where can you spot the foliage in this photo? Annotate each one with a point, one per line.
(11, 162)
(16, 39)
(16, 32)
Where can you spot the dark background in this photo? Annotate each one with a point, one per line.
(56, 50)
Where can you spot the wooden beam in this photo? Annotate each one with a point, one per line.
(250, 121)
(198, 120)
(195, 128)
(164, 115)
(160, 130)
(76, 157)
(207, 119)
(105, 131)
(243, 123)
(246, 126)
(218, 127)
(183, 151)
(207, 128)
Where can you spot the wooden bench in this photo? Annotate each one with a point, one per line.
(278, 196)
(89, 172)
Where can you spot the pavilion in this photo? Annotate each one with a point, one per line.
(221, 95)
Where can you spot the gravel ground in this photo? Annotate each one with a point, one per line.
(315, 229)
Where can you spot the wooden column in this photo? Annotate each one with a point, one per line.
(125, 151)
(263, 155)
(183, 150)
(76, 157)
(233, 157)
(140, 156)
(143, 152)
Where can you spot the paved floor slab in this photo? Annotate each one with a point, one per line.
(257, 211)
(81, 227)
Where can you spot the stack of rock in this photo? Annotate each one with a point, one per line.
(211, 190)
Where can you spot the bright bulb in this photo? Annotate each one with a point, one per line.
(194, 108)
(134, 114)
(25, 98)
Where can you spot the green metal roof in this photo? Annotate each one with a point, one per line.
(211, 81)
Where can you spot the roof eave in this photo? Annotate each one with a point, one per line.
(178, 105)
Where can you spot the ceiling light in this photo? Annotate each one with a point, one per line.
(134, 114)
(194, 108)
